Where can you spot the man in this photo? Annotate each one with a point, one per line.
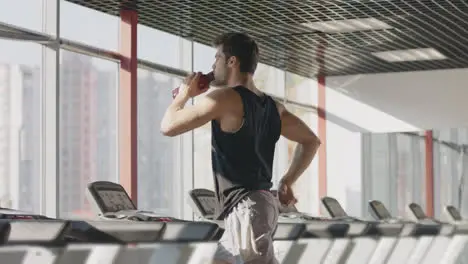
(246, 124)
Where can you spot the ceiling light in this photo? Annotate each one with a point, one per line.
(347, 25)
(409, 55)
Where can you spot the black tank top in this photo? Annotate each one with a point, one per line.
(243, 161)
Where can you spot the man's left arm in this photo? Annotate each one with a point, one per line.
(179, 119)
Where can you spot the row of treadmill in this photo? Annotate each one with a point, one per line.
(123, 234)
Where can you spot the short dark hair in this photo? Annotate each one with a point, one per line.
(241, 46)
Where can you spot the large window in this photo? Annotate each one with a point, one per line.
(300, 89)
(270, 80)
(394, 171)
(160, 187)
(23, 13)
(410, 171)
(202, 157)
(88, 26)
(450, 170)
(164, 48)
(204, 57)
(20, 94)
(306, 187)
(87, 127)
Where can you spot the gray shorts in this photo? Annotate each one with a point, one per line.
(248, 231)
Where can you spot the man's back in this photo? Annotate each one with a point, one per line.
(242, 160)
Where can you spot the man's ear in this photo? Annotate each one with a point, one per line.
(232, 61)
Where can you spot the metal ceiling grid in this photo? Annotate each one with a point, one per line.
(287, 44)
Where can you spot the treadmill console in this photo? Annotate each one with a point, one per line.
(379, 211)
(334, 208)
(453, 213)
(204, 202)
(111, 201)
(417, 211)
(109, 197)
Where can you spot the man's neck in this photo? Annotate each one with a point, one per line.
(243, 80)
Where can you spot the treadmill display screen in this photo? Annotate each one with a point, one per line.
(115, 201)
(209, 204)
(417, 211)
(335, 208)
(454, 213)
(380, 210)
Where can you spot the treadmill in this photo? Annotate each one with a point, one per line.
(456, 247)
(453, 214)
(423, 224)
(110, 201)
(359, 227)
(450, 245)
(336, 211)
(420, 227)
(419, 215)
(401, 240)
(423, 238)
(204, 203)
(378, 211)
(295, 239)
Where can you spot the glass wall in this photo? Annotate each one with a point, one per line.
(23, 13)
(159, 157)
(88, 26)
(300, 89)
(164, 48)
(204, 57)
(203, 176)
(20, 93)
(87, 115)
(450, 170)
(270, 80)
(87, 128)
(306, 187)
(394, 171)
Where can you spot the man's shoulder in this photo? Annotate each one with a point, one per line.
(225, 100)
(221, 93)
(224, 96)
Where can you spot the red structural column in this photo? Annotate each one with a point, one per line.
(322, 118)
(128, 150)
(322, 134)
(429, 173)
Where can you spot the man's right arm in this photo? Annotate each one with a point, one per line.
(308, 143)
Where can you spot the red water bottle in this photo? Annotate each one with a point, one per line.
(203, 82)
